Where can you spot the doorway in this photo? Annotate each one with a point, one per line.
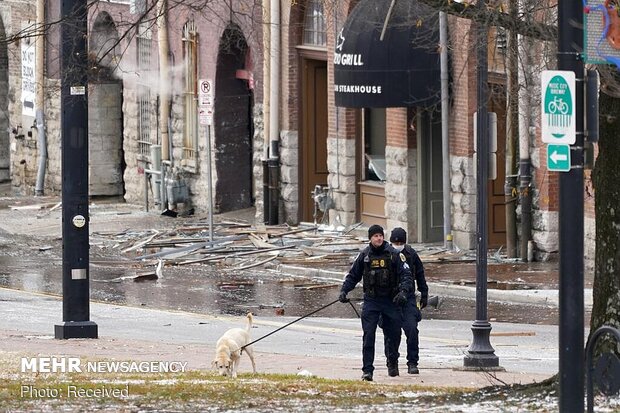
(233, 125)
(313, 155)
(105, 114)
(430, 216)
(496, 207)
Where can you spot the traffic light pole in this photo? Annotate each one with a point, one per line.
(74, 163)
(571, 231)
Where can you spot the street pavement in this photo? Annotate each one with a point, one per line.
(324, 347)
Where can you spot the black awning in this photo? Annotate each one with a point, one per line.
(402, 70)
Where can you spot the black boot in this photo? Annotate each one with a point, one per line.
(392, 369)
(367, 376)
(413, 369)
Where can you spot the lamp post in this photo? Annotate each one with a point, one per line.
(74, 164)
(481, 354)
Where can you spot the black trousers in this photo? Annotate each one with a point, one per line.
(372, 309)
(409, 322)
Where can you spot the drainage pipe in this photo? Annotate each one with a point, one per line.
(39, 98)
(274, 114)
(525, 131)
(445, 125)
(164, 77)
(274, 79)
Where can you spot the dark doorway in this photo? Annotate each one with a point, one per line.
(314, 134)
(233, 125)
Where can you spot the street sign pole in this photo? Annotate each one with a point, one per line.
(74, 165)
(205, 117)
(571, 230)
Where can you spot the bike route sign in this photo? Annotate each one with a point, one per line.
(558, 106)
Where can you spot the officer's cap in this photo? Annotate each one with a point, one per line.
(398, 235)
(375, 229)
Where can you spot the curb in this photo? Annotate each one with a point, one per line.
(548, 298)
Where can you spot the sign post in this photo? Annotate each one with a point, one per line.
(205, 117)
(74, 142)
(571, 206)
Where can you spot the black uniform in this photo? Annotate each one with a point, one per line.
(411, 313)
(385, 275)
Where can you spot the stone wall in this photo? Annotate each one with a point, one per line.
(258, 155)
(105, 139)
(289, 176)
(463, 187)
(401, 197)
(341, 180)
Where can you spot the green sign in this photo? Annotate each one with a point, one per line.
(558, 106)
(558, 158)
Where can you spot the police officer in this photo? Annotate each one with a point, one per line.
(411, 314)
(387, 283)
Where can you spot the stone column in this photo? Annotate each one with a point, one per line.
(341, 180)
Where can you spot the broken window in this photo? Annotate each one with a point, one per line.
(374, 144)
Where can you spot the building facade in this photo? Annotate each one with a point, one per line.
(339, 162)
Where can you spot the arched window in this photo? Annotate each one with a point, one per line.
(314, 24)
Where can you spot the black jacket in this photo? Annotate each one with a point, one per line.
(416, 268)
(355, 274)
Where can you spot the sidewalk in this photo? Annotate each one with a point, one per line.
(329, 348)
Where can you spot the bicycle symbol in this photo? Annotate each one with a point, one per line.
(557, 105)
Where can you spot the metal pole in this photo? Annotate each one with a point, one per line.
(74, 162)
(445, 137)
(209, 183)
(571, 328)
(481, 354)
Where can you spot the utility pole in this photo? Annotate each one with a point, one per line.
(74, 162)
(481, 354)
(571, 328)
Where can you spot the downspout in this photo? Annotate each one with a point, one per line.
(164, 78)
(445, 136)
(274, 113)
(266, 107)
(274, 79)
(525, 178)
(39, 99)
(512, 133)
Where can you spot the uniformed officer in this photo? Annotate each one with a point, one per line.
(387, 283)
(411, 314)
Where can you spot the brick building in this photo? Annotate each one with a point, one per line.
(332, 146)
(336, 164)
(137, 104)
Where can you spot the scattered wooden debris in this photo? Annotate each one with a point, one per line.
(148, 276)
(513, 333)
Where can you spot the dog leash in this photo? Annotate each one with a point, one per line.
(292, 322)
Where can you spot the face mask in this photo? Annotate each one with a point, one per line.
(398, 248)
